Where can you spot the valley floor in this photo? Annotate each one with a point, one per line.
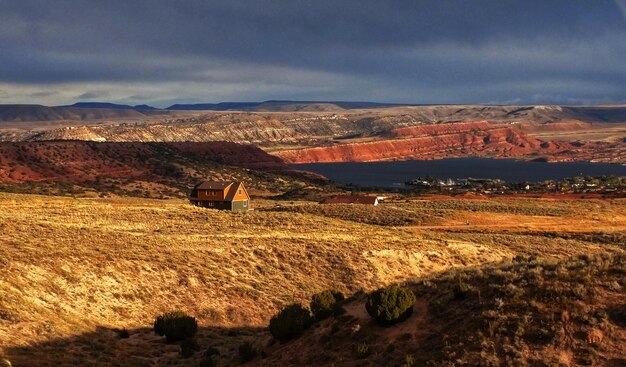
(72, 271)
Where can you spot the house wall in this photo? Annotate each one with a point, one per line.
(222, 205)
(211, 194)
(241, 206)
(238, 196)
(243, 195)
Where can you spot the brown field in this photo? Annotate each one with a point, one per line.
(72, 271)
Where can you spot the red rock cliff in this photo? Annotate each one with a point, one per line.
(431, 142)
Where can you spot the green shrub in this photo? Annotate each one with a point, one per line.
(290, 322)
(326, 303)
(247, 352)
(390, 305)
(175, 326)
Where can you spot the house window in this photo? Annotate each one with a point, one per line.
(239, 191)
(245, 203)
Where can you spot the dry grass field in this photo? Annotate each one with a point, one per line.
(73, 271)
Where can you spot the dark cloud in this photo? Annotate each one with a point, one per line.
(435, 51)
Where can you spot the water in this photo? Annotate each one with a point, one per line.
(395, 174)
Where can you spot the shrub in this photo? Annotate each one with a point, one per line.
(362, 350)
(188, 347)
(325, 303)
(123, 334)
(175, 326)
(461, 290)
(207, 359)
(290, 322)
(390, 348)
(247, 352)
(390, 305)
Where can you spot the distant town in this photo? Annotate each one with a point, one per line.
(609, 185)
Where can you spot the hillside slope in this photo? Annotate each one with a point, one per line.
(161, 169)
(456, 140)
(306, 127)
(75, 270)
(529, 313)
(566, 133)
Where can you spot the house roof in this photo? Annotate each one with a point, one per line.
(230, 189)
(351, 199)
(213, 185)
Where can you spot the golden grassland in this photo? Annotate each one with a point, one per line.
(72, 270)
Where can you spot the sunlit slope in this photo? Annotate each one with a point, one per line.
(69, 265)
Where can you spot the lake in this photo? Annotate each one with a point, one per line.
(395, 174)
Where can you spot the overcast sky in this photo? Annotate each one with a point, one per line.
(410, 51)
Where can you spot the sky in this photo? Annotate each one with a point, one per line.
(161, 52)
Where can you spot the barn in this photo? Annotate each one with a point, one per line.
(221, 195)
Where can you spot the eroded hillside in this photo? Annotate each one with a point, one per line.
(457, 140)
(508, 131)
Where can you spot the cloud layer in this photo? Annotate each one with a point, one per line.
(418, 51)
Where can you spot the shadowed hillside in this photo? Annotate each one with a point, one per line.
(144, 169)
(525, 313)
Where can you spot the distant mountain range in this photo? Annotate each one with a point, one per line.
(287, 106)
(38, 113)
(114, 106)
(267, 106)
(84, 111)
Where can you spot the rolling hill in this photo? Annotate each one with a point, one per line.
(528, 312)
(77, 271)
